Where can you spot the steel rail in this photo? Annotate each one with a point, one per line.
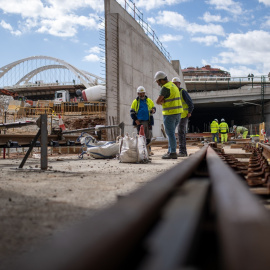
(266, 151)
(101, 242)
(244, 225)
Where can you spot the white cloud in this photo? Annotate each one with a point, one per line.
(266, 23)
(242, 71)
(151, 20)
(8, 27)
(177, 21)
(207, 40)
(251, 48)
(207, 17)
(266, 2)
(169, 37)
(227, 5)
(54, 17)
(95, 49)
(91, 58)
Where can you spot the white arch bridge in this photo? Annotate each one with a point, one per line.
(40, 76)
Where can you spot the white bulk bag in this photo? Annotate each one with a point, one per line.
(107, 150)
(133, 149)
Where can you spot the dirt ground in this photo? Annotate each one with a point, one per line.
(35, 204)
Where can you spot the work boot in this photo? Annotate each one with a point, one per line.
(170, 156)
(182, 155)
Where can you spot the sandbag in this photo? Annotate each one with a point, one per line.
(108, 150)
(133, 149)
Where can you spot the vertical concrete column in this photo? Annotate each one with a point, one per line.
(112, 69)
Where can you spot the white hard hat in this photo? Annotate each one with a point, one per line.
(160, 75)
(216, 120)
(140, 89)
(176, 79)
(222, 120)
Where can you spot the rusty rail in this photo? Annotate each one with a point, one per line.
(199, 214)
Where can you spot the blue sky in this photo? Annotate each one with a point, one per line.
(226, 34)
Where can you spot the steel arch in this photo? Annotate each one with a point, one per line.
(81, 75)
(31, 74)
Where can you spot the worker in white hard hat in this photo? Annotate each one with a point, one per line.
(141, 112)
(239, 130)
(169, 98)
(214, 130)
(182, 127)
(224, 130)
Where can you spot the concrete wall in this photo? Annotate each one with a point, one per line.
(132, 59)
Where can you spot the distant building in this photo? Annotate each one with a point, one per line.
(205, 71)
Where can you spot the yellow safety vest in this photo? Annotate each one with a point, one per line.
(214, 127)
(172, 104)
(224, 128)
(184, 104)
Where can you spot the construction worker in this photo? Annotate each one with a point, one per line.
(224, 129)
(169, 98)
(188, 108)
(141, 111)
(240, 130)
(214, 130)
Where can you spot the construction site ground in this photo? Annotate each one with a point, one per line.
(36, 204)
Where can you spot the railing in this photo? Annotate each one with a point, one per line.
(131, 8)
(256, 79)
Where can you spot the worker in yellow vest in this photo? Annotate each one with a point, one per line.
(169, 98)
(224, 129)
(239, 130)
(214, 130)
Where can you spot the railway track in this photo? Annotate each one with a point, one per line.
(198, 215)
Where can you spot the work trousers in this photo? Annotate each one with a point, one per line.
(147, 131)
(224, 137)
(170, 124)
(215, 137)
(182, 135)
(245, 134)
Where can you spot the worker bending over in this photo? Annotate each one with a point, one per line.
(240, 130)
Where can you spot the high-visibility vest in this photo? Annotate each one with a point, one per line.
(136, 105)
(224, 128)
(172, 104)
(241, 130)
(184, 104)
(214, 127)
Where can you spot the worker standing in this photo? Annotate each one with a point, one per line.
(240, 130)
(169, 98)
(214, 130)
(187, 110)
(224, 129)
(141, 111)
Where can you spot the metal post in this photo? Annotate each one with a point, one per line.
(44, 142)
